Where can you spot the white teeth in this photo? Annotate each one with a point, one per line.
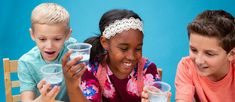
(128, 64)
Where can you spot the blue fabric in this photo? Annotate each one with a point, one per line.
(29, 70)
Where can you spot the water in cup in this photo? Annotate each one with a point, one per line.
(85, 57)
(80, 49)
(54, 81)
(158, 91)
(52, 73)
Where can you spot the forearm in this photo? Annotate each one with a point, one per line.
(27, 96)
(76, 95)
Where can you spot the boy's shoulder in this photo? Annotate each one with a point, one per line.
(186, 60)
(31, 55)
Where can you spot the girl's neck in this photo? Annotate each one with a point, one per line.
(117, 73)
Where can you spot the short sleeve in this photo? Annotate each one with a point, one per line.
(25, 78)
(151, 68)
(183, 82)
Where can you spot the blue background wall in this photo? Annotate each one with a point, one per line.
(165, 24)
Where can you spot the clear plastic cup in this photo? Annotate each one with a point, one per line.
(158, 91)
(52, 73)
(80, 49)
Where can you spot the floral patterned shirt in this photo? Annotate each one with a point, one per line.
(114, 89)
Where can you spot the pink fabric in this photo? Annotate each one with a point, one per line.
(99, 81)
(188, 82)
(140, 82)
(101, 76)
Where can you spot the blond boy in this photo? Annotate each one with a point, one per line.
(51, 32)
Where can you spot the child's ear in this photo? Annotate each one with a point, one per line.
(231, 55)
(69, 33)
(104, 42)
(31, 34)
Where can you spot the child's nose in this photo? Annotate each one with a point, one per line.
(131, 55)
(199, 59)
(49, 44)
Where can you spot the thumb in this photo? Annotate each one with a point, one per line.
(169, 97)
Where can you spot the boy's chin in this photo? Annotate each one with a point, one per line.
(49, 59)
(203, 74)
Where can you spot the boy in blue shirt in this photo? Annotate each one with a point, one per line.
(51, 32)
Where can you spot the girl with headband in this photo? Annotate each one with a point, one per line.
(117, 71)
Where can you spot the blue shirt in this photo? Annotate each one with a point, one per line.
(29, 70)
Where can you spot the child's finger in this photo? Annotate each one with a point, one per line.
(169, 94)
(80, 72)
(76, 69)
(75, 60)
(145, 95)
(40, 84)
(169, 97)
(144, 100)
(44, 89)
(53, 93)
(65, 58)
(71, 63)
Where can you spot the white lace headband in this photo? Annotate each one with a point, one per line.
(120, 25)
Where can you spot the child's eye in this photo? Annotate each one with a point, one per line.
(138, 49)
(58, 39)
(210, 54)
(124, 49)
(42, 39)
(193, 50)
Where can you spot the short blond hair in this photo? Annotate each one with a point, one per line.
(49, 13)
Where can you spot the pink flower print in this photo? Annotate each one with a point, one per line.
(132, 73)
(158, 77)
(88, 68)
(83, 85)
(148, 79)
(109, 90)
(132, 86)
(109, 71)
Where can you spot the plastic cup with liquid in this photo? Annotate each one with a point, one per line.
(158, 91)
(80, 49)
(52, 73)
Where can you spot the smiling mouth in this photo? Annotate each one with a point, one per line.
(127, 65)
(202, 68)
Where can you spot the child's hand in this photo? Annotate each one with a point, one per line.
(145, 96)
(71, 70)
(47, 94)
(169, 97)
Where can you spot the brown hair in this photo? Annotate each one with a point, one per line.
(215, 23)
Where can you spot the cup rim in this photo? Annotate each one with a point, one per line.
(87, 44)
(48, 65)
(161, 82)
